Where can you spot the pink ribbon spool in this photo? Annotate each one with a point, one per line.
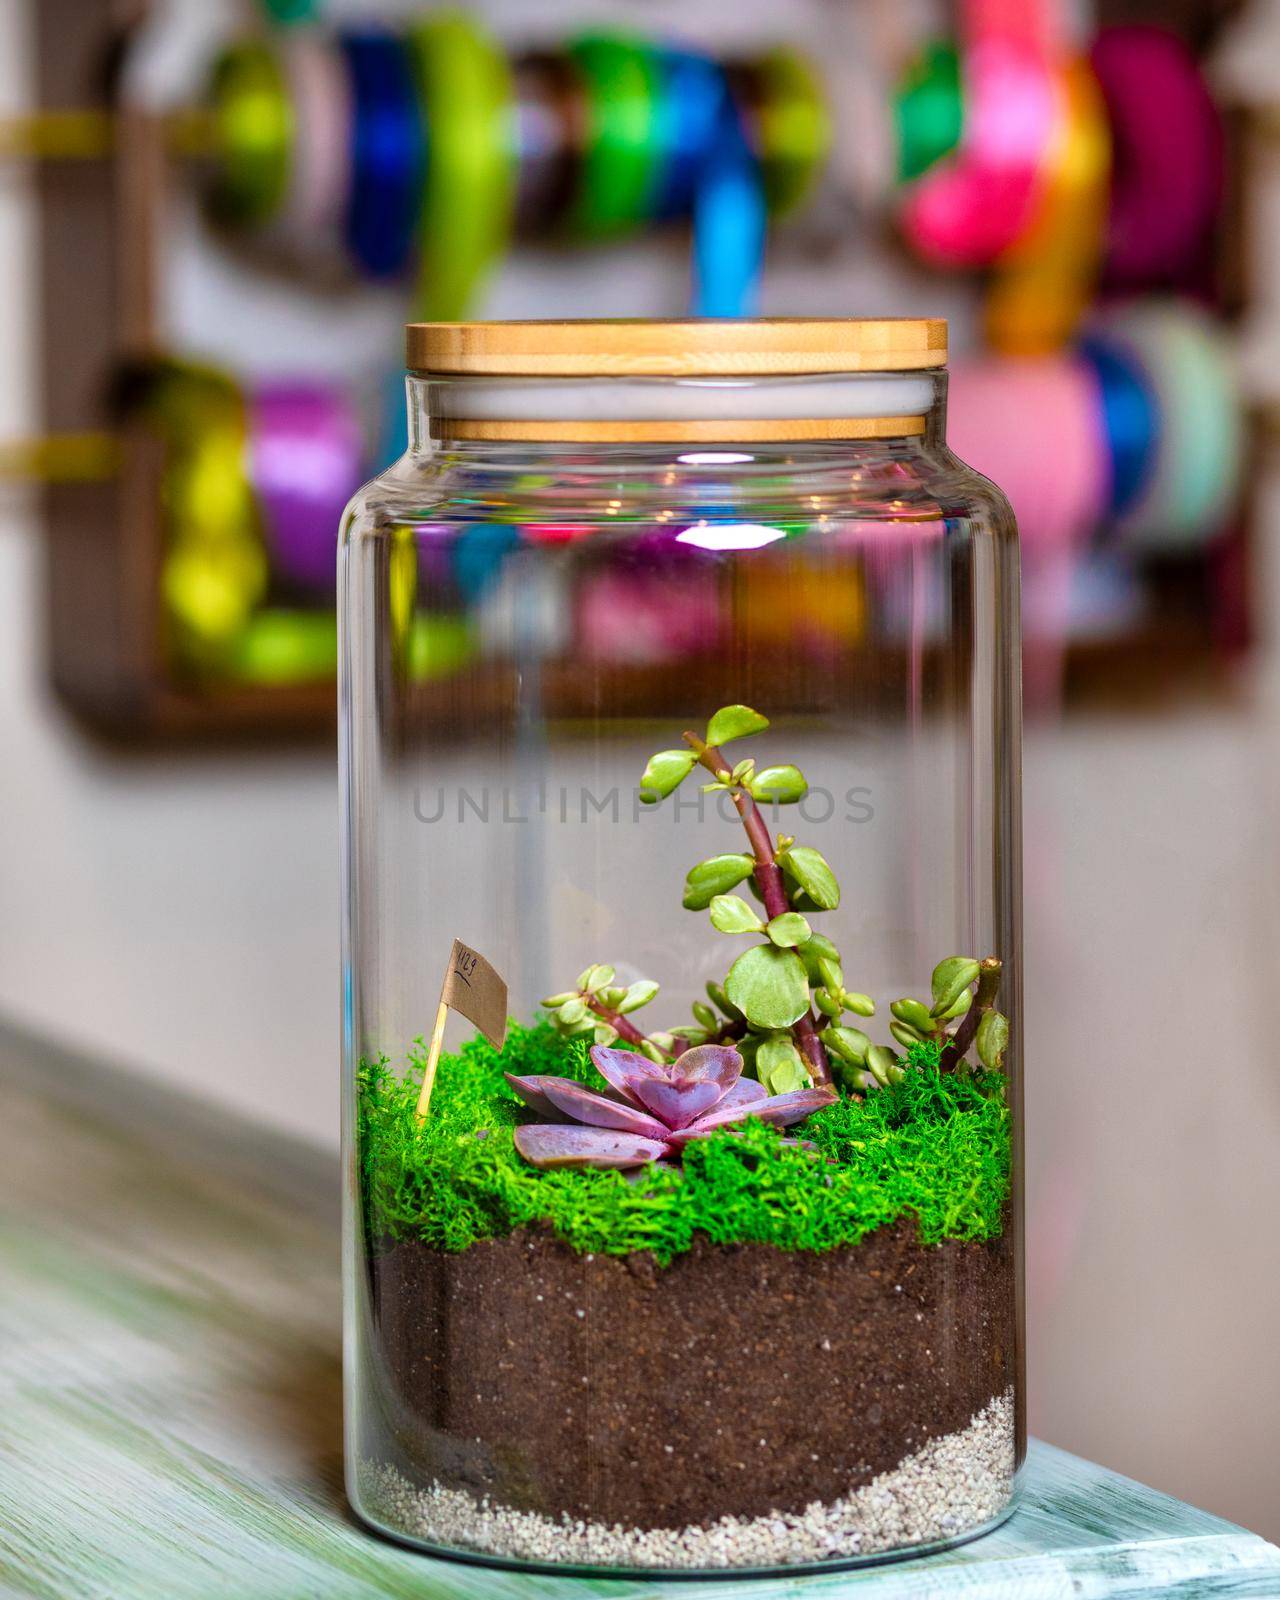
(306, 455)
(970, 208)
(1168, 166)
(1036, 428)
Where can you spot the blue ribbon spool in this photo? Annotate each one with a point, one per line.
(1131, 420)
(389, 154)
(693, 94)
(711, 173)
(391, 423)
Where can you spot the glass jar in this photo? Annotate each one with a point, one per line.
(680, 725)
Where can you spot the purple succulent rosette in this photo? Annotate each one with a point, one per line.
(650, 1110)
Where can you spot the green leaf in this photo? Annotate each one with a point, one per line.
(850, 1044)
(814, 876)
(788, 930)
(717, 996)
(783, 785)
(779, 1065)
(730, 913)
(705, 1015)
(572, 1012)
(883, 1065)
(596, 978)
(553, 1002)
(651, 1051)
(913, 1012)
(831, 973)
(959, 1009)
(905, 1034)
(605, 1033)
(639, 994)
(862, 1005)
(666, 771)
(829, 1004)
(769, 986)
(744, 771)
(950, 980)
(992, 1039)
(817, 949)
(734, 722)
(716, 875)
(612, 997)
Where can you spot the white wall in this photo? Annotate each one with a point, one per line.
(180, 914)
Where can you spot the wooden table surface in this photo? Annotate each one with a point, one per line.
(171, 1371)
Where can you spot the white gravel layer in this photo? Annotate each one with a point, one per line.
(954, 1484)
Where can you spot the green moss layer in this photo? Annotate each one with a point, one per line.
(935, 1147)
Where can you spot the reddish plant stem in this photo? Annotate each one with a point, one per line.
(957, 1047)
(626, 1028)
(773, 889)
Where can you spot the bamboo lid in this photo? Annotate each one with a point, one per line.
(710, 348)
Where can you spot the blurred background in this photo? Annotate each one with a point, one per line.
(215, 218)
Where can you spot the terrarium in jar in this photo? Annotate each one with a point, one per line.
(682, 957)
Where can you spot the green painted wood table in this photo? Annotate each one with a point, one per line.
(170, 1410)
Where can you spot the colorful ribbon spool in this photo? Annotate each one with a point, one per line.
(709, 172)
(280, 646)
(389, 153)
(730, 225)
(254, 122)
(467, 216)
(1131, 419)
(971, 206)
(620, 167)
(1044, 282)
(305, 457)
(1199, 452)
(550, 116)
(694, 89)
(287, 12)
(1034, 426)
(788, 124)
(320, 178)
(390, 431)
(215, 567)
(928, 109)
(1168, 172)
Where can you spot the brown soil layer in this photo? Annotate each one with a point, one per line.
(739, 1380)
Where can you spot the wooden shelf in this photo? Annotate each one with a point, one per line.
(102, 234)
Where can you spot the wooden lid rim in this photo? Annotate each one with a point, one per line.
(699, 430)
(706, 348)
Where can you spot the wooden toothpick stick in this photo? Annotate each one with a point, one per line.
(433, 1059)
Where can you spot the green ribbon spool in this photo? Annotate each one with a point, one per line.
(280, 647)
(793, 128)
(626, 124)
(287, 12)
(469, 101)
(928, 110)
(215, 570)
(253, 114)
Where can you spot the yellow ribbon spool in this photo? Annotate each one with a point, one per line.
(215, 568)
(1044, 283)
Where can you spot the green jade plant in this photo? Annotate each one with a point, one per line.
(784, 1002)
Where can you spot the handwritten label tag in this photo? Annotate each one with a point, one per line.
(478, 991)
